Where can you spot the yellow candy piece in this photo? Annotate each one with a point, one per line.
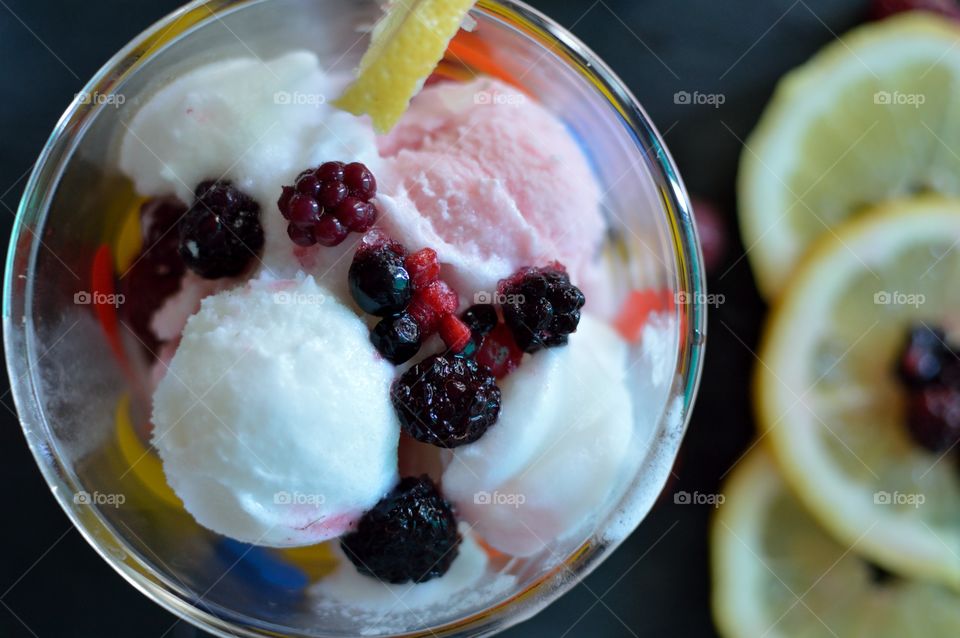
(140, 460)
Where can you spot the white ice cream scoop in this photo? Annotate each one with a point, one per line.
(274, 421)
(558, 451)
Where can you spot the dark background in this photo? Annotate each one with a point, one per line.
(52, 584)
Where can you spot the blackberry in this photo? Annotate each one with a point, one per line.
(481, 318)
(924, 357)
(396, 338)
(221, 232)
(541, 307)
(446, 401)
(328, 202)
(411, 534)
(156, 272)
(379, 283)
(933, 417)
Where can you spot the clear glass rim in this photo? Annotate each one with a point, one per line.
(17, 301)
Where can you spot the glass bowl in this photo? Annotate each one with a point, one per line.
(74, 396)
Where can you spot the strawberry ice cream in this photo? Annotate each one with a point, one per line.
(492, 181)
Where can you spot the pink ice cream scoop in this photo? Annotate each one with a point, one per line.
(492, 181)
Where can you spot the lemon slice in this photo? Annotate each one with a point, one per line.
(827, 398)
(405, 47)
(873, 116)
(777, 574)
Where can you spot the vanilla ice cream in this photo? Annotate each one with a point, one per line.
(274, 421)
(554, 457)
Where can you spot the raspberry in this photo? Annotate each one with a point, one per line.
(301, 236)
(885, 8)
(221, 232)
(446, 401)
(423, 267)
(303, 211)
(933, 418)
(397, 338)
(454, 332)
(411, 534)
(542, 307)
(378, 281)
(360, 181)
(329, 231)
(924, 357)
(355, 214)
(329, 202)
(499, 353)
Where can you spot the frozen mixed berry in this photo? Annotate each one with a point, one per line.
(541, 307)
(156, 271)
(439, 296)
(410, 535)
(424, 315)
(379, 282)
(924, 357)
(885, 8)
(446, 401)
(423, 267)
(431, 303)
(481, 318)
(454, 332)
(498, 352)
(328, 202)
(933, 417)
(220, 235)
(397, 338)
(376, 239)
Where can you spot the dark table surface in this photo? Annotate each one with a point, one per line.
(52, 584)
